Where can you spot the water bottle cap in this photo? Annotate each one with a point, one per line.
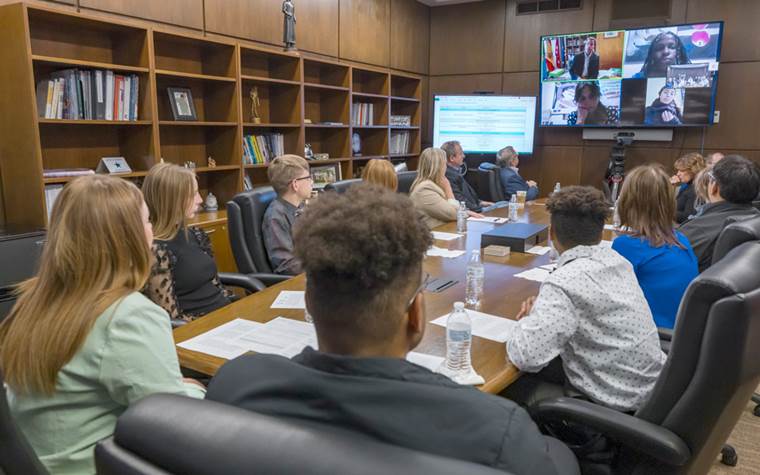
(458, 305)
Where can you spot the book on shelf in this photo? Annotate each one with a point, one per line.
(401, 121)
(261, 149)
(362, 114)
(64, 172)
(83, 94)
(400, 141)
(51, 194)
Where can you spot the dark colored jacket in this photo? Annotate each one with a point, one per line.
(653, 114)
(511, 181)
(389, 399)
(704, 230)
(462, 190)
(685, 203)
(277, 230)
(576, 66)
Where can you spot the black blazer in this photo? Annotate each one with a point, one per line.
(685, 203)
(576, 66)
(462, 190)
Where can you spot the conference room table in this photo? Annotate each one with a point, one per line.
(503, 294)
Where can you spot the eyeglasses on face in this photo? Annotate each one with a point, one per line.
(308, 177)
(423, 285)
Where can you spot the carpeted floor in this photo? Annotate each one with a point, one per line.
(746, 440)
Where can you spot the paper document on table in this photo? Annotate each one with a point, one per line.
(610, 227)
(488, 219)
(539, 250)
(445, 236)
(426, 361)
(440, 252)
(224, 341)
(537, 274)
(290, 299)
(485, 326)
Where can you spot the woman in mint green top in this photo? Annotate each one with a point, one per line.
(82, 343)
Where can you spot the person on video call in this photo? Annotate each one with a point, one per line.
(665, 50)
(590, 109)
(586, 65)
(664, 110)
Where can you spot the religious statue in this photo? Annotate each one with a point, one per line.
(289, 25)
(255, 104)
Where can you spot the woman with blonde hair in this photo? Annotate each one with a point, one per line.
(82, 343)
(687, 167)
(184, 279)
(380, 172)
(662, 257)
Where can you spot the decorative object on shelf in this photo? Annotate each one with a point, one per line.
(307, 121)
(255, 104)
(162, 160)
(401, 121)
(113, 165)
(289, 25)
(189, 164)
(181, 99)
(325, 174)
(321, 156)
(211, 203)
(308, 153)
(356, 144)
(211, 162)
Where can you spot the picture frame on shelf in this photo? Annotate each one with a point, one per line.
(181, 100)
(325, 174)
(113, 166)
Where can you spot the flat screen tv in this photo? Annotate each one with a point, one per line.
(485, 124)
(647, 77)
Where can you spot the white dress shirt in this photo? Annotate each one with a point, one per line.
(592, 313)
(586, 61)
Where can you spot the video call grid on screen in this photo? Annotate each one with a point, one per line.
(649, 77)
(485, 124)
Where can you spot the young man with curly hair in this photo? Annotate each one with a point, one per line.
(364, 284)
(590, 312)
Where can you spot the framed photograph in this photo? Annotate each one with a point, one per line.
(181, 99)
(325, 174)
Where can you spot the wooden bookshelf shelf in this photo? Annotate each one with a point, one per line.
(368, 95)
(404, 127)
(369, 126)
(65, 62)
(403, 155)
(325, 86)
(195, 123)
(218, 168)
(405, 99)
(66, 179)
(271, 126)
(256, 165)
(326, 126)
(260, 64)
(370, 82)
(269, 80)
(328, 161)
(370, 157)
(117, 123)
(199, 77)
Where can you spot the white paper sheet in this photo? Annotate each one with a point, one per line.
(610, 227)
(536, 274)
(224, 341)
(441, 236)
(539, 250)
(489, 220)
(485, 326)
(426, 361)
(606, 243)
(440, 252)
(290, 299)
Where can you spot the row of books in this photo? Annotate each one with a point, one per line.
(51, 194)
(362, 114)
(77, 94)
(399, 143)
(261, 149)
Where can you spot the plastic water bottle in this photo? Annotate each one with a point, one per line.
(616, 217)
(462, 218)
(557, 187)
(475, 277)
(458, 340)
(513, 206)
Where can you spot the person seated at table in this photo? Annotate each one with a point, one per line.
(431, 192)
(381, 173)
(291, 179)
(82, 343)
(459, 186)
(364, 293)
(734, 183)
(662, 258)
(507, 161)
(687, 168)
(714, 158)
(184, 279)
(590, 312)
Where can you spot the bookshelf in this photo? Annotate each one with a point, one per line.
(303, 99)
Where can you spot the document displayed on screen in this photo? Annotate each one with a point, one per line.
(485, 124)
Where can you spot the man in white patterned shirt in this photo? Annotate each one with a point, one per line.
(590, 312)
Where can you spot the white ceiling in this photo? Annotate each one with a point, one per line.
(438, 3)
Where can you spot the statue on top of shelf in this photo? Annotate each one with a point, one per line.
(255, 104)
(289, 25)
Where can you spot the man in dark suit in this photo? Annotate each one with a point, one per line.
(586, 65)
(459, 186)
(507, 161)
(364, 292)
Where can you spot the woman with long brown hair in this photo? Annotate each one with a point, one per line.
(662, 257)
(380, 172)
(82, 343)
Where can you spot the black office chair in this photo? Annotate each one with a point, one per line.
(16, 455)
(165, 434)
(486, 183)
(245, 214)
(343, 185)
(712, 369)
(405, 180)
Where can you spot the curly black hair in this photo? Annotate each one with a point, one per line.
(578, 214)
(362, 253)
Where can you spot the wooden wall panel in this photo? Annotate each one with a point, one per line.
(520, 84)
(259, 20)
(742, 36)
(558, 164)
(410, 36)
(186, 13)
(524, 31)
(467, 38)
(317, 26)
(365, 31)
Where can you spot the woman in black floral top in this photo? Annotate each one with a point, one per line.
(184, 280)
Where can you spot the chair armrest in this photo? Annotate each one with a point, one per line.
(644, 437)
(271, 279)
(247, 282)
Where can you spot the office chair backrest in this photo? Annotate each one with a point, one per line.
(486, 183)
(16, 455)
(245, 214)
(405, 180)
(735, 234)
(713, 365)
(196, 437)
(343, 185)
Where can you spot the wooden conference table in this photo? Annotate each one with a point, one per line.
(503, 293)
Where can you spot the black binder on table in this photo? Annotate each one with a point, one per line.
(518, 236)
